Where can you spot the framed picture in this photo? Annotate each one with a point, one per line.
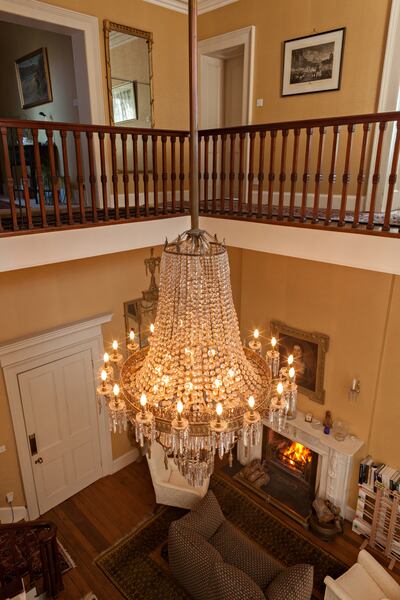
(308, 351)
(33, 77)
(313, 63)
(124, 100)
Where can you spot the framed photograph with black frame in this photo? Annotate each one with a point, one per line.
(313, 63)
(308, 349)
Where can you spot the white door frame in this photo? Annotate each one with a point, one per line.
(29, 353)
(389, 100)
(245, 37)
(84, 31)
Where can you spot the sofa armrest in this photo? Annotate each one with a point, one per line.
(379, 574)
(334, 591)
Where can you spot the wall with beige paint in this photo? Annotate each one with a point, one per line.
(358, 309)
(33, 300)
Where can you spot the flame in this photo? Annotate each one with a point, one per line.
(297, 453)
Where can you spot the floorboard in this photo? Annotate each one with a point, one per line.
(100, 515)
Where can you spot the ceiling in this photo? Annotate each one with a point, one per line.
(182, 5)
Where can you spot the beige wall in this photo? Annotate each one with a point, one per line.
(358, 309)
(170, 54)
(365, 22)
(33, 300)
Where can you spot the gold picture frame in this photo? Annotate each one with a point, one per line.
(33, 78)
(309, 350)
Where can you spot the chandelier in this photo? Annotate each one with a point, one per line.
(195, 389)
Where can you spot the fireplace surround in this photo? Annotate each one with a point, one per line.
(326, 475)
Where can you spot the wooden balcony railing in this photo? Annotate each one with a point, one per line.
(28, 552)
(336, 173)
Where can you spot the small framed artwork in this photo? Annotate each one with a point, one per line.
(313, 63)
(309, 350)
(33, 77)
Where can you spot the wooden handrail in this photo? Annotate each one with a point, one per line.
(22, 565)
(340, 172)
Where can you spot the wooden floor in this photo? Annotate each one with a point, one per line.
(98, 516)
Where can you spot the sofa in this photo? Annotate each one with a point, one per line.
(214, 560)
(366, 579)
(170, 487)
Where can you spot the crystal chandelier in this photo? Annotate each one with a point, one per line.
(195, 389)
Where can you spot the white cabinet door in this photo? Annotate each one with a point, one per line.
(60, 410)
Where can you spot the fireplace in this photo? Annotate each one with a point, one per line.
(287, 473)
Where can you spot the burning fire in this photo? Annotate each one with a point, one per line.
(297, 453)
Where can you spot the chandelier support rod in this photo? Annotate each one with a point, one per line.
(194, 117)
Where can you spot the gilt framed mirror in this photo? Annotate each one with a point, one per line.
(129, 75)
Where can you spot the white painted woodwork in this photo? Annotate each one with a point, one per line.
(60, 408)
(181, 6)
(43, 378)
(211, 92)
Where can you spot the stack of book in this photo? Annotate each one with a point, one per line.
(371, 472)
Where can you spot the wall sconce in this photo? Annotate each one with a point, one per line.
(355, 390)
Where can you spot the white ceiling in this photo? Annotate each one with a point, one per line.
(182, 5)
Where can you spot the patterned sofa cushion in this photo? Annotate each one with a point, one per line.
(238, 550)
(205, 517)
(294, 582)
(233, 584)
(191, 560)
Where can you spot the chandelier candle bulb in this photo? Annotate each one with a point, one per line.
(152, 328)
(106, 359)
(272, 359)
(105, 388)
(290, 360)
(255, 343)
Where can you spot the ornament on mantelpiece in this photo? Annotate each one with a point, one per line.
(328, 422)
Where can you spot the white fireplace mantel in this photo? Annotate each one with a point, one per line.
(335, 462)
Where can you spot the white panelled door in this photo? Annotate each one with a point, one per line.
(60, 410)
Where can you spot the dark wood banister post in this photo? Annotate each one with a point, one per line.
(194, 118)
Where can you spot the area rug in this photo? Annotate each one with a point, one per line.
(136, 567)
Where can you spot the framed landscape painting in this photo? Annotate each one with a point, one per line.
(313, 63)
(308, 349)
(33, 77)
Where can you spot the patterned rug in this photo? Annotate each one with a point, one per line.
(135, 564)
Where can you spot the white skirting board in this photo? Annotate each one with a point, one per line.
(126, 459)
(20, 513)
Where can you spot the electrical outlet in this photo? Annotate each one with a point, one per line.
(3, 448)
(260, 102)
(10, 497)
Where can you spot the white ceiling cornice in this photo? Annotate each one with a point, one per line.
(181, 6)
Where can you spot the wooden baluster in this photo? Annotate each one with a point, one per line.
(232, 172)
(206, 174)
(24, 178)
(114, 176)
(81, 192)
(241, 176)
(103, 176)
(306, 175)
(223, 173)
(294, 175)
(67, 178)
(173, 174)
(376, 176)
(250, 175)
(54, 177)
(361, 175)
(39, 176)
(135, 168)
(271, 174)
(9, 178)
(145, 176)
(164, 174)
(154, 139)
(261, 174)
(332, 173)
(318, 174)
(346, 176)
(182, 173)
(92, 176)
(125, 174)
(392, 179)
(282, 174)
(214, 173)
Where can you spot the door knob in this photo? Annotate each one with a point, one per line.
(39, 461)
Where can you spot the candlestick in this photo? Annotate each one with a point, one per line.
(254, 343)
(272, 359)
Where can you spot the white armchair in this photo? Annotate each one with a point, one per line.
(366, 580)
(170, 486)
